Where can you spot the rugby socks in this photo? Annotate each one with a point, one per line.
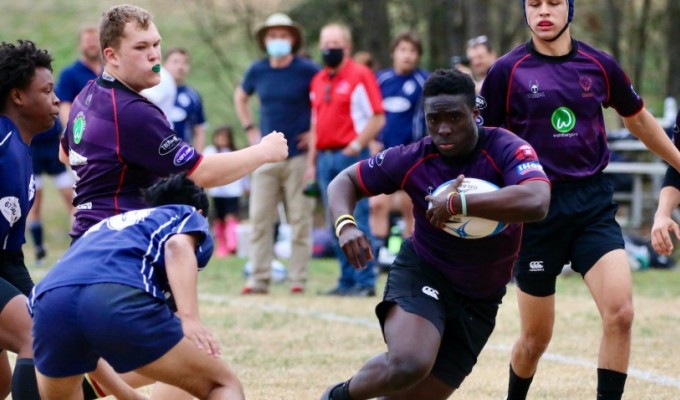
(91, 390)
(341, 391)
(610, 384)
(518, 387)
(36, 233)
(24, 382)
(231, 235)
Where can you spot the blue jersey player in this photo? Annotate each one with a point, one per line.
(28, 106)
(442, 292)
(550, 91)
(106, 298)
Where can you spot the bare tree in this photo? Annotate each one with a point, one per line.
(673, 48)
(639, 47)
(374, 34)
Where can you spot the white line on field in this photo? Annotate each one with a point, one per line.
(648, 376)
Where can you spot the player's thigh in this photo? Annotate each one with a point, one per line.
(610, 281)
(67, 388)
(537, 314)
(189, 368)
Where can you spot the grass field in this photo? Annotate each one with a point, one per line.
(293, 347)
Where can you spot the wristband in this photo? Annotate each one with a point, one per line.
(342, 225)
(248, 127)
(449, 202)
(343, 217)
(463, 203)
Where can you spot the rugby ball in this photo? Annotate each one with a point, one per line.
(466, 227)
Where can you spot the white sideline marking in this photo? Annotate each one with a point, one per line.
(648, 376)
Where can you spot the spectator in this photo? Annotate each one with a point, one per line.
(281, 81)
(443, 292)
(365, 58)
(86, 68)
(347, 115)
(551, 91)
(481, 57)
(226, 199)
(669, 199)
(401, 87)
(45, 156)
(187, 116)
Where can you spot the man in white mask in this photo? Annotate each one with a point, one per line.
(281, 81)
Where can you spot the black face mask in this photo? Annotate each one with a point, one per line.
(332, 57)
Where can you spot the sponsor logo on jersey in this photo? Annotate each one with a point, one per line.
(75, 159)
(79, 127)
(380, 157)
(431, 292)
(563, 119)
(480, 101)
(524, 152)
(11, 209)
(31, 188)
(169, 144)
(527, 167)
(536, 266)
(183, 155)
(84, 206)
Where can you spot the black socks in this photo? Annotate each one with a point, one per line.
(518, 387)
(610, 384)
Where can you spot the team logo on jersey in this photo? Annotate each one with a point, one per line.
(535, 90)
(431, 292)
(480, 102)
(76, 159)
(78, 127)
(169, 144)
(524, 152)
(586, 84)
(11, 209)
(183, 155)
(409, 87)
(563, 119)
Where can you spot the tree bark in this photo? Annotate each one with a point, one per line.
(673, 43)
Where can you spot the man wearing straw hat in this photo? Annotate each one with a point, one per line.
(281, 81)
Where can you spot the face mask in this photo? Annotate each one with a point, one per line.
(332, 57)
(278, 48)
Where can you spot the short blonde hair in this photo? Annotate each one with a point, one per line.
(113, 21)
(342, 27)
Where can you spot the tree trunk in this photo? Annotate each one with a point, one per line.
(673, 43)
(639, 48)
(375, 33)
(614, 37)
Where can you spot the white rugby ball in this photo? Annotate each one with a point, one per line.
(466, 227)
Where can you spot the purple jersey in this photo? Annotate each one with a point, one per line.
(555, 103)
(118, 143)
(501, 158)
(17, 187)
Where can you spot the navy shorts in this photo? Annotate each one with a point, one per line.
(464, 324)
(73, 326)
(13, 269)
(45, 156)
(580, 228)
(226, 205)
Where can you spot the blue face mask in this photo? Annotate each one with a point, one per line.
(278, 48)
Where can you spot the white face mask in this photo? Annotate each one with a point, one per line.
(278, 48)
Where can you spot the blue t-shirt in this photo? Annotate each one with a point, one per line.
(188, 113)
(284, 97)
(555, 104)
(129, 249)
(402, 101)
(500, 157)
(72, 80)
(17, 186)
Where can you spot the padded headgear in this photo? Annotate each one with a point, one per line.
(569, 18)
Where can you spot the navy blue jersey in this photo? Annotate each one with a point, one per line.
(555, 104)
(284, 97)
(501, 158)
(188, 113)
(128, 249)
(17, 186)
(72, 80)
(402, 101)
(118, 143)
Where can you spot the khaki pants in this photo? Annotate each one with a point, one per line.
(270, 184)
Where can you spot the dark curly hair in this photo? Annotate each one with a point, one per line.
(177, 189)
(453, 82)
(17, 66)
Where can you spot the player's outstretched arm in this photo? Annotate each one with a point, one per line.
(223, 168)
(181, 267)
(645, 127)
